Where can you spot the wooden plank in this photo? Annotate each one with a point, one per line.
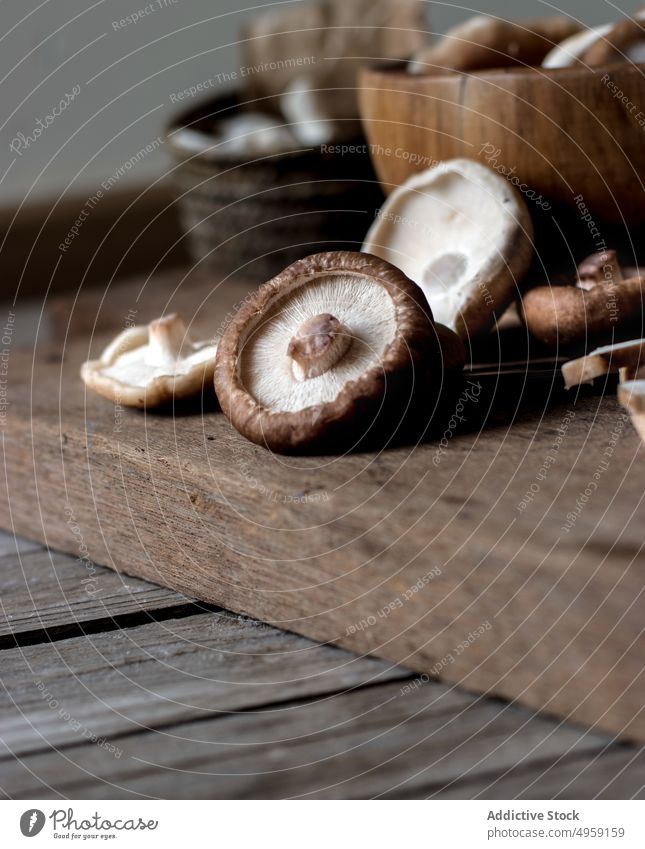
(46, 590)
(615, 773)
(126, 232)
(370, 742)
(11, 545)
(155, 675)
(158, 674)
(506, 559)
(105, 309)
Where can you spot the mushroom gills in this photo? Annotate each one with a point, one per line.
(132, 370)
(442, 284)
(366, 326)
(427, 232)
(451, 229)
(169, 351)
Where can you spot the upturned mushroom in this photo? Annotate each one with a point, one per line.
(339, 349)
(485, 42)
(463, 233)
(605, 298)
(150, 365)
(628, 358)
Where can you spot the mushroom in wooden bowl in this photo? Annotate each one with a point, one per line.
(564, 134)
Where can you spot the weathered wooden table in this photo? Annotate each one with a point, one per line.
(116, 687)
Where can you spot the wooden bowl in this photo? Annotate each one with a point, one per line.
(573, 137)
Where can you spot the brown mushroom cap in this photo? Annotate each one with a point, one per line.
(394, 354)
(602, 301)
(569, 51)
(625, 42)
(485, 42)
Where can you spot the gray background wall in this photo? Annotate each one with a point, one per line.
(126, 76)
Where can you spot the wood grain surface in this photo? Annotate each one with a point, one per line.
(565, 134)
(197, 703)
(506, 559)
(51, 593)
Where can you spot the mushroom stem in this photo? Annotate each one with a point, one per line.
(166, 336)
(599, 268)
(318, 344)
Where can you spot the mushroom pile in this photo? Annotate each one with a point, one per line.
(604, 45)
(340, 349)
(484, 41)
(487, 42)
(299, 64)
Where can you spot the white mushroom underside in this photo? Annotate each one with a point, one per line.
(565, 54)
(132, 369)
(359, 303)
(442, 234)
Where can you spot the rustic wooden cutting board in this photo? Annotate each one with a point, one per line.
(505, 559)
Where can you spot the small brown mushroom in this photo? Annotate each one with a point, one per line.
(338, 348)
(626, 357)
(486, 42)
(463, 233)
(625, 42)
(150, 365)
(605, 298)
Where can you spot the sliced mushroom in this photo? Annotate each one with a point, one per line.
(604, 299)
(569, 52)
(631, 395)
(463, 233)
(484, 42)
(625, 42)
(627, 357)
(336, 349)
(150, 365)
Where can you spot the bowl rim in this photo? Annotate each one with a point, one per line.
(400, 71)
